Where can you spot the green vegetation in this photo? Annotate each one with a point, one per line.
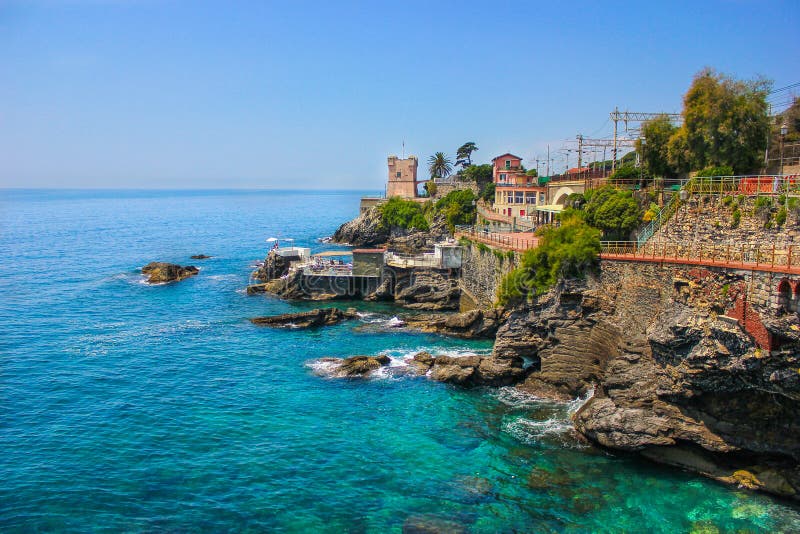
(727, 200)
(431, 188)
(720, 170)
(613, 211)
(440, 165)
(457, 207)
(567, 250)
(510, 255)
(725, 123)
(625, 173)
(762, 208)
(481, 247)
(499, 255)
(464, 242)
(397, 212)
(655, 155)
(464, 154)
(487, 193)
(736, 217)
(780, 217)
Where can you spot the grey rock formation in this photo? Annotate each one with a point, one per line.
(160, 272)
(308, 319)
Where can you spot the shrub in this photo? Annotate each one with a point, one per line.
(568, 250)
(431, 188)
(727, 200)
(457, 207)
(464, 242)
(488, 192)
(400, 213)
(499, 255)
(626, 172)
(722, 170)
(614, 212)
(780, 217)
(736, 217)
(762, 208)
(510, 255)
(482, 248)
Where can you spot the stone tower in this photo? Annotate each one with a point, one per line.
(402, 177)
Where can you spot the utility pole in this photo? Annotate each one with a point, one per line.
(548, 160)
(580, 151)
(615, 116)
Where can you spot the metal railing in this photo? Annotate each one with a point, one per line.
(762, 257)
(661, 217)
(497, 240)
(407, 261)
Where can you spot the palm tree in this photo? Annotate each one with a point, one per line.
(440, 166)
(464, 154)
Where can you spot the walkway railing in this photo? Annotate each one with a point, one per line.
(491, 215)
(493, 239)
(661, 217)
(759, 257)
(408, 261)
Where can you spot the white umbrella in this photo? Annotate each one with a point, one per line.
(271, 239)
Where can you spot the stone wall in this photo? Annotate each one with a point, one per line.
(707, 219)
(483, 270)
(443, 188)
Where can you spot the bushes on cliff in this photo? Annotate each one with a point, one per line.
(400, 213)
(613, 211)
(568, 250)
(457, 207)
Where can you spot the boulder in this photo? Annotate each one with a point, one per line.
(275, 266)
(308, 319)
(352, 367)
(160, 272)
(422, 362)
(455, 370)
(200, 257)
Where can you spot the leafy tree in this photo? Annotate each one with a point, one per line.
(487, 193)
(440, 165)
(457, 207)
(400, 213)
(722, 170)
(625, 172)
(655, 152)
(614, 212)
(725, 123)
(464, 154)
(431, 188)
(480, 174)
(533, 173)
(569, 250)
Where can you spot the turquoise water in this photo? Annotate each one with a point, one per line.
(137, 408)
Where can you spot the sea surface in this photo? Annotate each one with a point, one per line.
(128, 407)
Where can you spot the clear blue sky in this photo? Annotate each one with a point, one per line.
(172, 94)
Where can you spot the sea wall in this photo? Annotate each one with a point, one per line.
(482, 271)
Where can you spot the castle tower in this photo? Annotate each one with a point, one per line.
(402, 177)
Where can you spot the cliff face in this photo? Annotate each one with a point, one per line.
(366, 231)
(674, 378)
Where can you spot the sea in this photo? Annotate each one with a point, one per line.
(126, 407)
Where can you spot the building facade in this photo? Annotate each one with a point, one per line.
(402, 177)
(516, 193)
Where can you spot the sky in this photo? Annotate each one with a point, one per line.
(315, 95)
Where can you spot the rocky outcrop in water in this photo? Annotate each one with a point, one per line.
(426, 289)
(274, 266)
(200, 257)
(352, 367)
(473, 324)
(308, 319)
(160, 272)
(365, 230)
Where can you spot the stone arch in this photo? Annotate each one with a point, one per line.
(787, 298)
(561, 194)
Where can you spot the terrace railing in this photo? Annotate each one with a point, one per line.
(504, 241)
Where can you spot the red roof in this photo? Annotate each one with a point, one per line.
(576, 170)
(368, 250)
(507, 154)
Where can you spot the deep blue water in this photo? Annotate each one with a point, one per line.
(137, 408)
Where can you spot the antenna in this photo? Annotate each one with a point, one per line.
(404, 149)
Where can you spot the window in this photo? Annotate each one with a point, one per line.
(503, 177)
(519, 197)
(530, 198)
(508, 164)
(541, 198)
(397, 174)
(522, 213)
(509, 197)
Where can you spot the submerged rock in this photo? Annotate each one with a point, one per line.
(200, 257)
(161, 272)
(352, 367)
(473, 324)
(308, 319)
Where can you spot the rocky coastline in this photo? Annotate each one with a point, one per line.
(666, 373)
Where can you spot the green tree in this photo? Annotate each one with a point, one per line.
(457, 207)
(725, 122)
(487, 193)
(440, 165)
(569, 250)
(480, 174)
(464, 154)
(655, 152)
(400, 213)
(613, 211)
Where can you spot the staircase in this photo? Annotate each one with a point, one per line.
(661, 217)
